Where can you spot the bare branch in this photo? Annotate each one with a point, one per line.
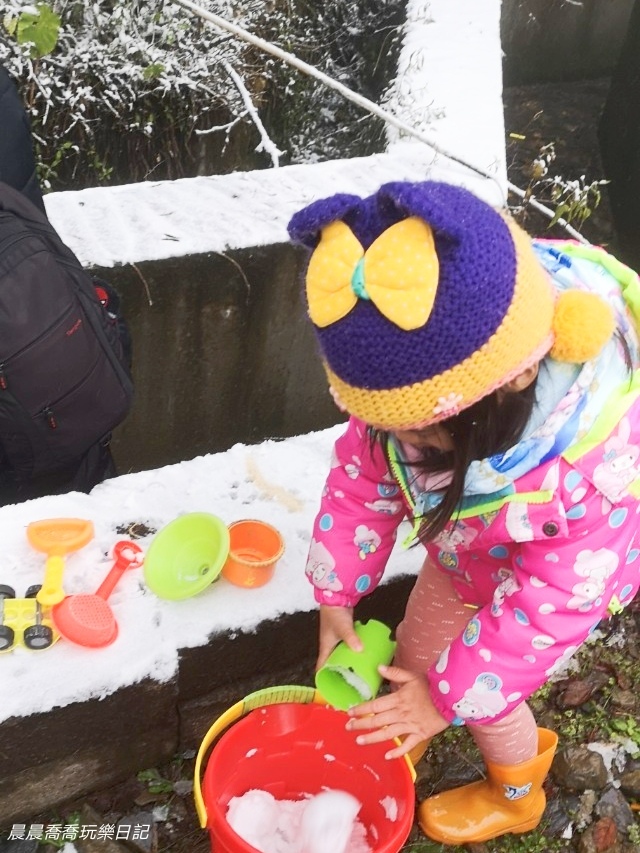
(365, 103)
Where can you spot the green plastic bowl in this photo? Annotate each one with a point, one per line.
(186, 555)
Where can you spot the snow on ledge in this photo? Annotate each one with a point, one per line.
(279, 482)
(450, 69)
(449, 86)
(109, 226)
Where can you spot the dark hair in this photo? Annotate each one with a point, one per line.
(492, 425)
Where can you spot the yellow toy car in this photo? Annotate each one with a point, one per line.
(23, 621)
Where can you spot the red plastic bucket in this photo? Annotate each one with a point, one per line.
(292, 750)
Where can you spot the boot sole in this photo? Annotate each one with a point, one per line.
(513, 830)
(524, 826)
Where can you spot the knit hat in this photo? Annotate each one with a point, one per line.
(425, 299)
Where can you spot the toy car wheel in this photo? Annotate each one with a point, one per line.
(7, 637)
(38, 637)
(7, 591)
(33, 590)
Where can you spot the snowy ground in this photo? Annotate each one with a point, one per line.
(449, 68)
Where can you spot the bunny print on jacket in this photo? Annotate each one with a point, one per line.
(618, 468)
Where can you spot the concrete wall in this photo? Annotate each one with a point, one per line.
(49, 759)
(223, 354)
(553, 40)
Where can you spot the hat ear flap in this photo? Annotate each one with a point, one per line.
(306, 224)
(583, 324)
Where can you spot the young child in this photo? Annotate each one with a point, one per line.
(491, 387)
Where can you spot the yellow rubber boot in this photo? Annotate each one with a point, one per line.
(510, 799)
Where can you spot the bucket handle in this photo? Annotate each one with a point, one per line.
(266, 696)
(259, 699)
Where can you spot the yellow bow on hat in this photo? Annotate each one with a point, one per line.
(398, 273)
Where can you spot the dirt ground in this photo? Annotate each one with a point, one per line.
(567, 116)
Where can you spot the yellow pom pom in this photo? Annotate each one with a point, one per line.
(582, 324)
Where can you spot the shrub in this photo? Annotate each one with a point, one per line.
(129, 90)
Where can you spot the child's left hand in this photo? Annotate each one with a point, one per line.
(407, 711)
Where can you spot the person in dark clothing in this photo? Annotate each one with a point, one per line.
(17, 163)
(18, 170)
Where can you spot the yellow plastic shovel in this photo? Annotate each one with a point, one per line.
(57, 537)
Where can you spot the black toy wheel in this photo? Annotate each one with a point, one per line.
(7, 591)
(37, 637)
(7, 637)
(33, 590)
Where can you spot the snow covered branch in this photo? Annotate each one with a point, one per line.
(266, 144)
(365, 103)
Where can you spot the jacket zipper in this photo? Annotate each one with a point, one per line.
(400, 476)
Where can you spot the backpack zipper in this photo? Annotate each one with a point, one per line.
(48, 411)
(51, 419)
(4, 382)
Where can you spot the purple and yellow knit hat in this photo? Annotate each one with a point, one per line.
(425, 299)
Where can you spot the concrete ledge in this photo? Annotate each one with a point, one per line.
(47, 759)
(74, 719)
(211, 291)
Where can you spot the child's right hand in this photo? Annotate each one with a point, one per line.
(336, 624)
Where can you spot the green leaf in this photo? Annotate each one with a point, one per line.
(10, 23)
(619, 725)
(156, 784)
(560, 212)
(40, 30)
(153, 71)
(148, 775)
(162, 786)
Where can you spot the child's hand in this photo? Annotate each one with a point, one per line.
(336, 624)
(408, 712)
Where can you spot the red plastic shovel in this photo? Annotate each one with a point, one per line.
(88, 619)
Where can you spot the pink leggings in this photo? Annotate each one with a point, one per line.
(434, 617)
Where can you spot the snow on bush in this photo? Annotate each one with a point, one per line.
(140, 89)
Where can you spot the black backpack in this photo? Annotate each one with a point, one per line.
(65, 381)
